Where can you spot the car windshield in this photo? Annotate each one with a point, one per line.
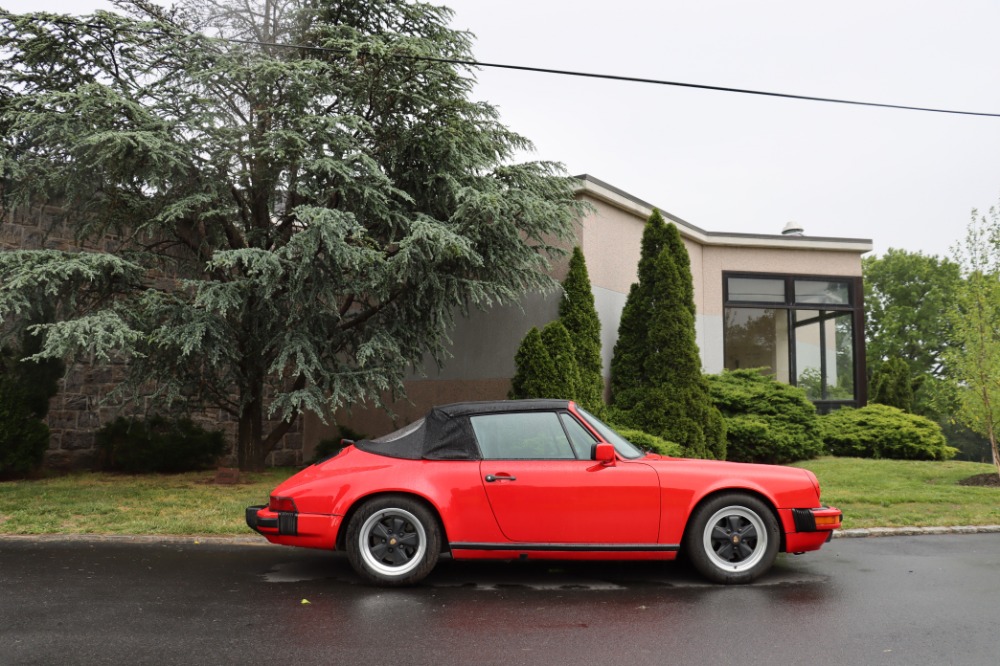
(625, 448)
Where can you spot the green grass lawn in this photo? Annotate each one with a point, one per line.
(872, 493)
(906, 493)
(94, 503)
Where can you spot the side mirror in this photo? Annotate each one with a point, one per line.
(604, 453)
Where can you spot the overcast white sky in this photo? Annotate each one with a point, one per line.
(727, 162)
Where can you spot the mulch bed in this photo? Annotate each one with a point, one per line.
(989, 479)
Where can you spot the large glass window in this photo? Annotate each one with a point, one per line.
(801, 330)
(757, 338)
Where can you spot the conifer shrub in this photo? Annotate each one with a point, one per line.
(767, 421)
(579, 315)
(656, 380)
(546, 365)
(157, 445)
(881, 431)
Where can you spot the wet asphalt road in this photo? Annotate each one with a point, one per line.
(896, 600)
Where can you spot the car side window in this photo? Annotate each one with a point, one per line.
(521, 436)
(581, 439)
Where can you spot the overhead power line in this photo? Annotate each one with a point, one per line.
(628, 79)
(595, 75)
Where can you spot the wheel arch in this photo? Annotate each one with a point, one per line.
(341, 542)
(736, 490)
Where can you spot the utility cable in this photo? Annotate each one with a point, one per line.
(566, 72)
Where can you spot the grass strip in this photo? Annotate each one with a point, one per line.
(872, 493)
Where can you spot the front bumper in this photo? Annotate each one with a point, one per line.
(823, 519)
(809, 529)
(290, 528)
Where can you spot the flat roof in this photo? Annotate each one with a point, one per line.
(623, 200)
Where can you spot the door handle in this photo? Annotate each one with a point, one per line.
(490, 478)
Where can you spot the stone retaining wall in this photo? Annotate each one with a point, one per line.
(82, 404)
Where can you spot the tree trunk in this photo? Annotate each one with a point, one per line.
(250, 451)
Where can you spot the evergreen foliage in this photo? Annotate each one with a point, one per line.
(656, 379)
(767, 421)
(546, 365)
(294, 226)
(881, 431)
(565, 381)
(25, 389)
(23, 436)
(157, 445)
(579, 315)
(892, 385)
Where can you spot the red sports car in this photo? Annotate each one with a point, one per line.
(539, 479)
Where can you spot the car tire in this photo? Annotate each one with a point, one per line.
(732, 538)
(393, 540)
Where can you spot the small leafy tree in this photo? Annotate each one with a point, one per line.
(657, 382)
(907, 299)
(579, 316)
(293, 226)
(975, 318)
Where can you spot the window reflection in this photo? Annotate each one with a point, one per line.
(811, 347)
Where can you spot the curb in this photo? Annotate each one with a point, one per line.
(193, 540)
(914, 531)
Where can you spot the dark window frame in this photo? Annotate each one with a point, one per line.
(855, 306)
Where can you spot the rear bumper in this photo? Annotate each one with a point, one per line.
(290, 528)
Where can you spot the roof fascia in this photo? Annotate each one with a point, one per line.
(613, 196)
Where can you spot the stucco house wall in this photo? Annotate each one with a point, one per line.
(610, 236)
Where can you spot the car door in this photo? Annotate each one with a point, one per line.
(544, 489)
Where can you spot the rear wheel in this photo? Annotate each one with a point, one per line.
(393, 541)
(732, 538)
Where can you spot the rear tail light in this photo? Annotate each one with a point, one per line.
(282, 504)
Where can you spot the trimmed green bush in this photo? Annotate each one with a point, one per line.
(158, 445)
(25, 390)
(23, 437)
(880, 431)
(651, 442)
(767, 421)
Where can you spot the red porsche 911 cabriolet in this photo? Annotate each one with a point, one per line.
(539, 479)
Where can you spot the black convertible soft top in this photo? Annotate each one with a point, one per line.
(445, 433)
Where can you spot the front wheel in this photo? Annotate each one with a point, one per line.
(393, 541)
(732, 538)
